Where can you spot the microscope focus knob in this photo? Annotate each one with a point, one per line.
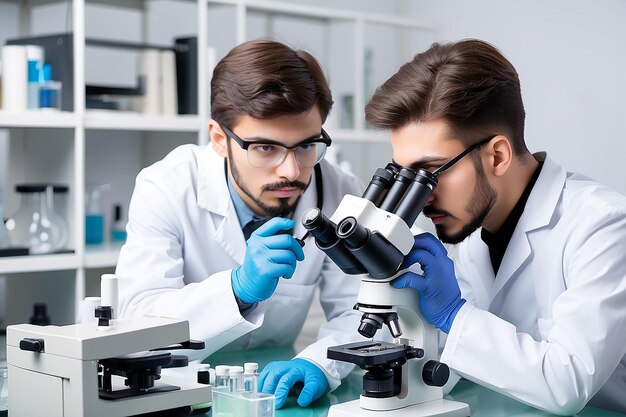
(104, 314)
(435, 373)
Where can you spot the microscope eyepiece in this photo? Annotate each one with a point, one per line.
(353, 234)
(402, 180)
(414, 199)
(378, 186)
(380, 258)
(320, 227)
(324, 232)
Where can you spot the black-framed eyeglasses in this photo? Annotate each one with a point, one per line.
(270, 153)
(457, 158)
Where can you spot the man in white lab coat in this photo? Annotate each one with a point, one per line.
(534, 305)
(193, 251)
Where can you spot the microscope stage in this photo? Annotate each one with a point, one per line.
(370, 353)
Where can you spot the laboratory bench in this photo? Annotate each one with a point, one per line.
(482, 401)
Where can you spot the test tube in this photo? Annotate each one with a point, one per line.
(221, 376)
(235, 382)
(250, 376)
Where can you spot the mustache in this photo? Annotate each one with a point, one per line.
(284, 184)
(433, 211)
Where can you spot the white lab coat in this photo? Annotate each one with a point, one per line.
(549, 328)
(184, 238)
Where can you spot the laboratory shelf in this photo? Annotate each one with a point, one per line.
(39, 263)
(101, 256)
(115, 120)
(37, 118)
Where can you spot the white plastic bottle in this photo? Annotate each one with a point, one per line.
(250, 376)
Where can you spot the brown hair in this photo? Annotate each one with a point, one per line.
(469, 83)
(266, 79)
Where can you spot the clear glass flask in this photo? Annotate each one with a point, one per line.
(33, 225)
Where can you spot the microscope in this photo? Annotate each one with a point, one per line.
(369, 236)
(104, 369)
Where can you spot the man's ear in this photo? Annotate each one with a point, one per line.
(501, 155)
(218, 138)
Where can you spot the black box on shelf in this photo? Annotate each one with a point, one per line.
(59, 53)
(186, 50)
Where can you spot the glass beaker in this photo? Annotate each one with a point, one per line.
(32, 226)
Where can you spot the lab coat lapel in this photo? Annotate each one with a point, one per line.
(213, 196)
(538, 213)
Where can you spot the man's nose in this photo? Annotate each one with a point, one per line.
(430, 199)
(290, 167)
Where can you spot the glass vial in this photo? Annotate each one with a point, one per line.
(235, 382)
(221, 376)
(118, 226)
(250, 376)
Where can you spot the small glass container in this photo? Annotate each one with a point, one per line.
(235, 382)
(221, 376)
(50, 96)
(250, 376)
(35, 225)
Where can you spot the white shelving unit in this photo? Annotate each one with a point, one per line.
(341, 33)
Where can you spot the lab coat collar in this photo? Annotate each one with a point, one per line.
(545, 195)
(538, 213)
(212, 187)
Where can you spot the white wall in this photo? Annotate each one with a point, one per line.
(571, 59)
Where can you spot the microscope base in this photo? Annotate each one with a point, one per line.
(436, 408)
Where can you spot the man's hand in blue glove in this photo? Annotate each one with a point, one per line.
(439, 293)
(278, 377)
(269, 256)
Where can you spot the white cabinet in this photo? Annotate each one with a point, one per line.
(357, 49)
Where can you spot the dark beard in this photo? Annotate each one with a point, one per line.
(283, 209)
(479, 206)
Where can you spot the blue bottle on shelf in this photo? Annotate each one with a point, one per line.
(94, 217)
(118, 227)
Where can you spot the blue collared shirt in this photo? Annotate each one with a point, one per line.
(244, 213)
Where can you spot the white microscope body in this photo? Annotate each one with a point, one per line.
(65, 370)
(371, 238)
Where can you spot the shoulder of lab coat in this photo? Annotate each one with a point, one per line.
(150, 266)
(575, 227)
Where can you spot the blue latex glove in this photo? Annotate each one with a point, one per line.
(439, 293)
(278, 377)
(269, 256)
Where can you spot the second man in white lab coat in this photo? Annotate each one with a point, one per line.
(539, 309)
(212, 229)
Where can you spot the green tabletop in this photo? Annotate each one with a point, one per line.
(482, 401)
